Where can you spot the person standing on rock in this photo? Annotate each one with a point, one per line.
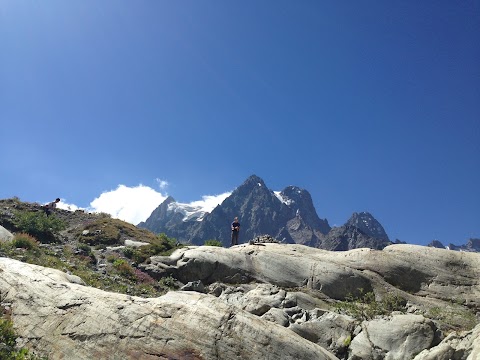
(235, 231)
(51, 206)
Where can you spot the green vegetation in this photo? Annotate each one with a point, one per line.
(38, 225)
(105, 231)
(366, 307)
(452, 318)
(213, 243)
(168, 282)
(347, 341)
(8, 340)
(160, 245)
(119, 275)
(25, 241)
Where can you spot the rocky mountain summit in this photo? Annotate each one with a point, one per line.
(288, 215)
(102, 288)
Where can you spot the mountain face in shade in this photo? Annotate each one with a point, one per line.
(436, 244)
(368, 225)
(289, 216)
(362, 230)
(473, 245)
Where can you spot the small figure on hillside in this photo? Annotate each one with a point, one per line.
(51, 206)
(235, 231)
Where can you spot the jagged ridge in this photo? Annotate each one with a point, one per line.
(288, 215)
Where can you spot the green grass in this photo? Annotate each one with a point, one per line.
(453, 317)
(213, 242)
(366, 307)
(120, 276)
(37, 224)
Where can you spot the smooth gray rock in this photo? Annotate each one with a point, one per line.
(398, 338)
(5, 235)
(331, 331)
(459, 346)
(425, 271)
(133, 243)
(277, 316)
(68, 321)
(257, 300)
(194, 286)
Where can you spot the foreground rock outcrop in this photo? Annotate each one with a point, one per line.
(69, 321)
(259, 301)
(430, 280)
(414, 270)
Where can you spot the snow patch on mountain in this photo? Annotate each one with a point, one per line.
(284, 199)
(196, 210)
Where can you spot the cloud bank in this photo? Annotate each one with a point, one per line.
(131, 204)
(210, 202)
(135, 204)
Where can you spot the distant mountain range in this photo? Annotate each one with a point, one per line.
(473, 245)
(288, 215)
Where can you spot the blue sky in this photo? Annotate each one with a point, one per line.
(370, 106)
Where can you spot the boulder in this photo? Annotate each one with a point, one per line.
(277, 316)
(256, 299)
(398, 338)
(5, 235)
(462, 346)
(133, 243)
(331, 331)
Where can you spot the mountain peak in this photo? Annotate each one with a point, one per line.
(253, 180)
(436, 244)
(365, 222)
(169, 200)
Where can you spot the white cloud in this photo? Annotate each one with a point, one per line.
(135, 204)
(65, 206)
(162, 184)
(131, 204)
(210, 202)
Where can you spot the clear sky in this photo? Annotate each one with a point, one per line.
(369, 105)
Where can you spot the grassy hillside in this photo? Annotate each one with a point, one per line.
(89, 245)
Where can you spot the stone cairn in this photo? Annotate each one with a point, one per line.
(263, 239)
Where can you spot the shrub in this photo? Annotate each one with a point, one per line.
(366, 307)
(162, 245)
(25, 241)
(8, 340)
(167, 282)
(213, 242)
(128, 252)
(143, 278)
(453, 317)
(38, 224)
(85, 248)
(124, 268)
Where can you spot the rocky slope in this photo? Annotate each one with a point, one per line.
(271, 301)
(264, 300)
(70, 321)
